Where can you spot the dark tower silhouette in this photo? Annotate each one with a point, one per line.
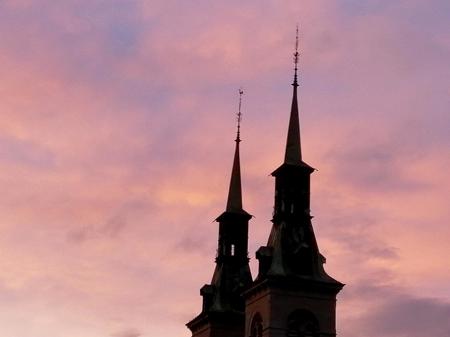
(223, 305)
(292, 295)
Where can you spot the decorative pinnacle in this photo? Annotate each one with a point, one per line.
(239, 116)
(296, 56)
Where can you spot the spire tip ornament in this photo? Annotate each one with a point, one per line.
(239, 116)
(296, 57)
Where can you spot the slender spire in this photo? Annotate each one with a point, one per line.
(293, 153)
(234, 203)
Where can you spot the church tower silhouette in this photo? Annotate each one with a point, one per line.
(223, 305)
(292, 295)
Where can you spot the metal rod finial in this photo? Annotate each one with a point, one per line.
(296, 56)
(239, 116)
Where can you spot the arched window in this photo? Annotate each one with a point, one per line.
(256, 327)
(302, 323)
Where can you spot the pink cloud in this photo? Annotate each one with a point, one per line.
(117, 137)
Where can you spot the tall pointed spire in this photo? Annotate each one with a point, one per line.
(223, 311)
(234, 203)
(293, 153)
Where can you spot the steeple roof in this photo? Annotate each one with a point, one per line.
(234, 203)
(293, 154)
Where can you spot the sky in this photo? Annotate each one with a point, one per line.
(117, 120)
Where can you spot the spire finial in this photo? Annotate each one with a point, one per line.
(239, 116)
(296, 55)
